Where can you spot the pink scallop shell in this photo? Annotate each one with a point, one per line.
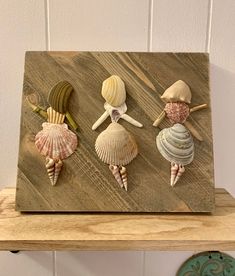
(56, 141)
(177, 112)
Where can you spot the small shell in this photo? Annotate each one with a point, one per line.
(54, 117)
(116, 173)
(56, 141)
(50, 166)
(59, 96)
(123, 174)
(113, 91)
(176, 144)
(177, 92)
(177, 112)
(53, 169)
(115, 145)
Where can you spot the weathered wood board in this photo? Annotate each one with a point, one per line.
(85, 183)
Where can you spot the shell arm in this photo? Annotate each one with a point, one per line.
(194, 132)
(131, 120)
(198, 107)
(38, 109)
(102, 118)
(71, 121)
(159, 119)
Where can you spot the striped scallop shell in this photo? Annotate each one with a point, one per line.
(176, 144)
(177, 112)
(56, 141)
(113, 91)
(116, 146)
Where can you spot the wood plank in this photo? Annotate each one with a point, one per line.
(179, 25)
(22, 28)
(99, 25)
(85, 183)
(25, 231)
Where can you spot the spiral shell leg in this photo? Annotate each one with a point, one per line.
(116, 173)
(123, 173)
(58, 167)
(174, 171)
(50, 166)
(53, 169)
(179, 174)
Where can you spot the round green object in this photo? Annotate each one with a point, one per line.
(208, 264)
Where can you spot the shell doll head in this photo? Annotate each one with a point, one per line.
(114, 93)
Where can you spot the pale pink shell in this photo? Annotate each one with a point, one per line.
(56, 141)
(177, 112)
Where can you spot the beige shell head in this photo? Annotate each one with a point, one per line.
(116, 146)
(113, 91)
(177, 92)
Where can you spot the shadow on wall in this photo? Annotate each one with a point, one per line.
(99, 263)
(223, 120)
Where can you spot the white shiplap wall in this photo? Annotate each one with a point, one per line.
(123, 25)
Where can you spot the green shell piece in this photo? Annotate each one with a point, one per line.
(59, 96)
(208, 264)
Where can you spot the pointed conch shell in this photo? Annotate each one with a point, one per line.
(177, 92)
(113, 91)
(123, 174)
(56, 141)
(116, 173)
(115, 145)
(176, 144)
(53, 169)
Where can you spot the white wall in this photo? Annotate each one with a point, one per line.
(124, 25)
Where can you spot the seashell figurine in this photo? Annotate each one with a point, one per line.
(114, 92)
(176, 145)
(177, 98)
(116, 147)
(55, 141)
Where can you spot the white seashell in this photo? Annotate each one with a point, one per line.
(56, 141)
(181, 170)
(115, 145)
(50, 166)
(113, 91)
(116, 173)
(115, 112)
(177, 92)
(123, 174)
(176, 144)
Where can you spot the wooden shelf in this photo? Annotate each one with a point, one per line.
(117, 231)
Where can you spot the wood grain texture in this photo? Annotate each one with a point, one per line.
(85, 183)
(28, 231)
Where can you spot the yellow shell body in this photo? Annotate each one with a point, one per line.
(177, 92)
(113, 91)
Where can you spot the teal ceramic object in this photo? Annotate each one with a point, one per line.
(208, 264)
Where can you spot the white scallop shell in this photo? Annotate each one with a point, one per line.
(113, 91)
(56, 141)
(176, 144)
(116, 146)
(177, 92)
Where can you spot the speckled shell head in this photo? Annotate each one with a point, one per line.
(113, 91)
(116, 146)
(176, 144)
(177, 92)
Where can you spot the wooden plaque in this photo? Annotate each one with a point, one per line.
(86, 183)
